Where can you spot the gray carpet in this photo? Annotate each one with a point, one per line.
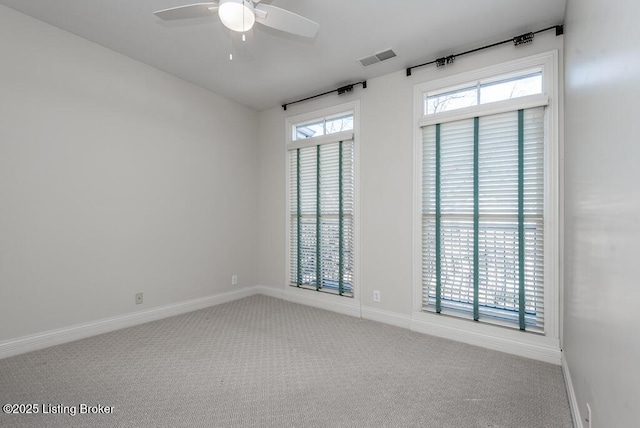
(265, 362)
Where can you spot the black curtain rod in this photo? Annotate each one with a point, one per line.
(518, 40)
(341, 90)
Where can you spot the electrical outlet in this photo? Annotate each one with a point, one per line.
(234, 279)
(138, 298)
(376, 296)
(588, 418)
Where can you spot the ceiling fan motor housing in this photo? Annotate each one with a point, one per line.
(237, 15)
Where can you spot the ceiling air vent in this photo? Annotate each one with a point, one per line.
(378, 57)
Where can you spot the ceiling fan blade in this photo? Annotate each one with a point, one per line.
(196, 10)
(284, 20)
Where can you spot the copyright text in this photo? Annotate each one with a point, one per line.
(56, 409)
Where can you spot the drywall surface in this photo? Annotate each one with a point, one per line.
(115, 178)
(602, 206)
(386, 177)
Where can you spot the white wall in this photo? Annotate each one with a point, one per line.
(115, 178)
(386, 176)
(602, 208)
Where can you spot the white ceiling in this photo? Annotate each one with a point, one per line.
(272, 67)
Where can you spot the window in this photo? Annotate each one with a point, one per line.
(483, 225)
(321, 204)
(324, 126)
(505, 87)
(484, 202)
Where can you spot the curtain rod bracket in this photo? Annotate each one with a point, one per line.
(523, 39)
(345, 89)
(445, 60)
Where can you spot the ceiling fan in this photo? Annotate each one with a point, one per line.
(240, 15)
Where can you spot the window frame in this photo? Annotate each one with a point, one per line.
(478, 85)
(461, 328)
(323, 120)
(351, 303)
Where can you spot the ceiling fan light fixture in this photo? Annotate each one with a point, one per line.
(237, 15)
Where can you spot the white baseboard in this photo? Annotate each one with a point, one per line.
(573, 402)
(326, 301)
(309, 298)
(34, 342)
(497, 338)
(540, 351)
(270, 291)
(386, 317)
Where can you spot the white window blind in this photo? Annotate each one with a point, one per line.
(483, 218)
(321, 210)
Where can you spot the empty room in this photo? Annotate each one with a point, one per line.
(304, 213)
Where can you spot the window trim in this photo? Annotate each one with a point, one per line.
(350, 305)
(548, 343)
